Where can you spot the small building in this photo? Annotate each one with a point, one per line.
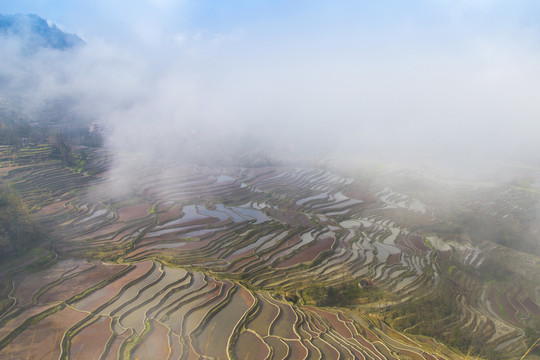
(94, 128)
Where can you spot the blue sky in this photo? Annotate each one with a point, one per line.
(113, 20)
(310, 26)
(257, 28)
(425, 76)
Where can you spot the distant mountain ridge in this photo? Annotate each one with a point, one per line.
(35, 32)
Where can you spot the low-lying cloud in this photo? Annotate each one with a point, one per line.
(399, 94)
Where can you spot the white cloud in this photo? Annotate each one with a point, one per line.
(406, 93)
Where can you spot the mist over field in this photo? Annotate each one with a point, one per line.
(434, 81)
(192, 178)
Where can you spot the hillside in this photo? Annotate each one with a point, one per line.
(233, 262)
(269, 180)
(35, 32)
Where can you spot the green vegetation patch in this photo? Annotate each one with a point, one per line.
(345, 294)
(18, 232)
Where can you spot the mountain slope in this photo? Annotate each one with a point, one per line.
(35, 32)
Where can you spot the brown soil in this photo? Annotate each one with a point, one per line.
(328, 351)
(18, 320)
(104, 231)
(29, 283)
(290, 217)
(531, 306)
(115, 346)
(308, 254)
(509, 310)
(283, 326)
(133, 212)
(156, 343)
(250, 346)
(172, 213)
(362, 340)
(297, 350)
(393, 259)
(176, 347)
(267, 313)
(242, 262)
(428, 356)
(80, 283)
(336, 324)
(278, 347)
(96, 299)
(246, 296)
(192, 355)
(418, 242)
(90, 342)
(42, 341)
(120, 236)
(53, 208)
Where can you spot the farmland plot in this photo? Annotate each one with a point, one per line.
(223, 264)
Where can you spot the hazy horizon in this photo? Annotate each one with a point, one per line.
(451, 81)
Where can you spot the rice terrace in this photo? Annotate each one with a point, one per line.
(260, 263)
(269, 180)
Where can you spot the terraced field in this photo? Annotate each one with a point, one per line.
(195, 262)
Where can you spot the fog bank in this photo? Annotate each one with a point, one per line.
(440, 82)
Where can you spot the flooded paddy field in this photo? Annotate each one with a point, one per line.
(238, 263)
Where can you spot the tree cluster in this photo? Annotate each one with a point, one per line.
(62, 149)
(344, 294)
(18, 233)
